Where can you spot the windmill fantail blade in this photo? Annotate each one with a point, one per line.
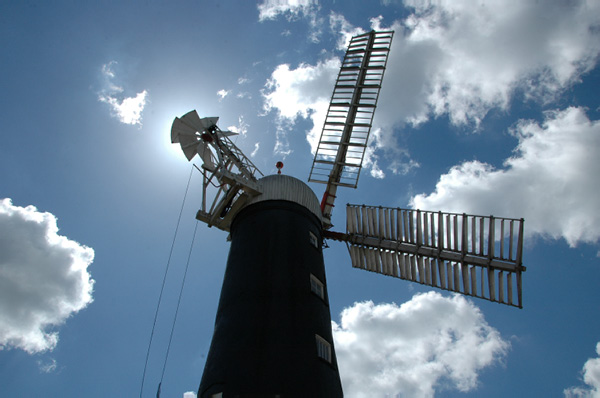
(179, 128)
(189, 145)
(200, 124)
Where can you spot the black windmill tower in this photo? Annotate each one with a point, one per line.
(272, 335)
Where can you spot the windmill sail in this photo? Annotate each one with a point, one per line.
(479, 256)
(341, 149)
(277, 228)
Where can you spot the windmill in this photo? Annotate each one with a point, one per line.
(272, 335)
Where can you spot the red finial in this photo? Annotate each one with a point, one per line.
(279, 166)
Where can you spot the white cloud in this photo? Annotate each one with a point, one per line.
(109, 74)
(304, 91)
(271, 9)
(255, 151)
(244, 94)
(282, 144)
(301, 91)
(241, 128)
(428, 343)
(293, 10)
(370, 160)
(551, 181)
(189, 394)
(222, 94)
(47, 367)
(43, 278)
(338, 23)
(451, 58)
(591, 377)
(127, 109)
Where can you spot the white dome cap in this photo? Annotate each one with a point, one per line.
(284, 187)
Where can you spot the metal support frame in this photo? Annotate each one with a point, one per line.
(232, 190)
(228, 176)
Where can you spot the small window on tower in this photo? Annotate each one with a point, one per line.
(323, 348)
(316, 286)
(313, 239)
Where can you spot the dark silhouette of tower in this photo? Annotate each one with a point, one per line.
(272, 334)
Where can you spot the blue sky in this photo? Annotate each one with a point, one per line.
(486, 109)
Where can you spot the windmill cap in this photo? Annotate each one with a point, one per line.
(284, 187)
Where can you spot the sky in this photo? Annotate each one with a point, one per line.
(486, 108)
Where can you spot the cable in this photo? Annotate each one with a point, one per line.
(187, 265)
(162, 288)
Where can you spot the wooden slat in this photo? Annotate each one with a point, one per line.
(501, 287)
(381, 221)
(411, 232)
(473, 272)
(491, 284)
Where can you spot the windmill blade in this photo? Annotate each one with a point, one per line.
(188, 131)
(200, 124)
(341, 149)
(180, 129)
(479, 256)
(191, 124)
(189, 145)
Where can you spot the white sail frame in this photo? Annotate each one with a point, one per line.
(479, 256)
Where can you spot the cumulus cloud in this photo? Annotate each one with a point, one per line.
(345, 30)
(591, 377)
(293, 10)
(189, 394)
(43, 278)
(302, 92)
(551, 181)
(429, 343)
(450, 58)
(305, 92)
(127, 109)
